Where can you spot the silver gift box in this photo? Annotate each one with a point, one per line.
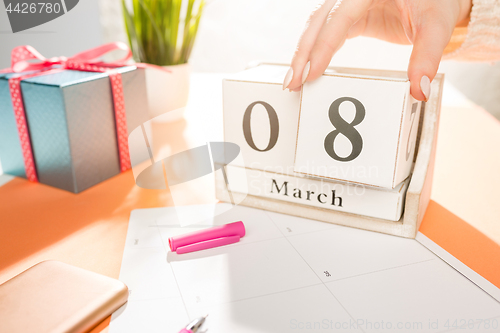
(71, 124)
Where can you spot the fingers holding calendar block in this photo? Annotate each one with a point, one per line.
(262, 118)
(358, 129)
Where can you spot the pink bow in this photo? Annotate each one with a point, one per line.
(85, 61)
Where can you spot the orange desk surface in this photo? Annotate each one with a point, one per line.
(88, 230)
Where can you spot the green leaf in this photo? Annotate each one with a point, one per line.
(193, 29)
(135, 46)
(156, 50)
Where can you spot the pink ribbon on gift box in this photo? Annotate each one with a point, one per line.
(87, 61)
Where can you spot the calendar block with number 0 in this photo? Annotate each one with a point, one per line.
(352, 148)
(357, 128)
(262, 118)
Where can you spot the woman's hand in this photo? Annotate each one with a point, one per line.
(427, 24)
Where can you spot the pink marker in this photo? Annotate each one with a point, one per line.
(208, 238)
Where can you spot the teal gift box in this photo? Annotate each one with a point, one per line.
(71, 123)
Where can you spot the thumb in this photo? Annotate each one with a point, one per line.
(428, 47)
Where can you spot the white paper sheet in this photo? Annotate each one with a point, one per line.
(290, 274)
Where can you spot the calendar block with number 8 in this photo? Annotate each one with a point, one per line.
(357, 128)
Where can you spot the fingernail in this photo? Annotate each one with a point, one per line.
(288, 78)
(425, 86)
(305, 73)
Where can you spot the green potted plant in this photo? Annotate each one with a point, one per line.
(162, 32)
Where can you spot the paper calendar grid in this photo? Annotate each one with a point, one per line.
(288, 274)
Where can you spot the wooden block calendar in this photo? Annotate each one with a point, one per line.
(352, 148)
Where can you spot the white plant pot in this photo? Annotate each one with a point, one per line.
(168, 92)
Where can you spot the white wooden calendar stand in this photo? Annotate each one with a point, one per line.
(418, 193)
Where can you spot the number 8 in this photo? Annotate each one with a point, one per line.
(345, 128)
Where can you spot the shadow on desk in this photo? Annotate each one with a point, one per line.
(39, 222)
(35, 216)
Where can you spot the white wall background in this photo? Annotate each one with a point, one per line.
(73, 32)
(234, 32)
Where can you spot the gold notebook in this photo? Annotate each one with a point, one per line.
(56, 297)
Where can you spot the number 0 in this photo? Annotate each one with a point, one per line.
(273, 121)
